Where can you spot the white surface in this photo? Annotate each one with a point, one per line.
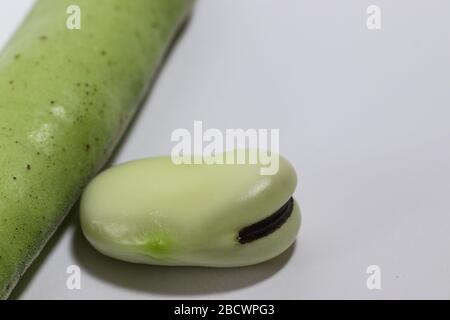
(364, 118)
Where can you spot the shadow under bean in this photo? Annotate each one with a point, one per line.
(172, 280)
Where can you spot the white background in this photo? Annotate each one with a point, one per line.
(364, 118)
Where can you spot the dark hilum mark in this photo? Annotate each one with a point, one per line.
(268, 225)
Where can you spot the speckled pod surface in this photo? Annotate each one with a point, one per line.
(66, 97)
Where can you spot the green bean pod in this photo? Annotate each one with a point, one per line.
(67, 96)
